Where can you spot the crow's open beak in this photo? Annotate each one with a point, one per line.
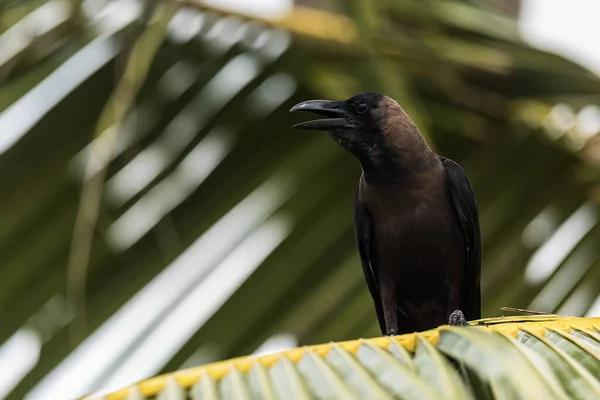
(334, 110)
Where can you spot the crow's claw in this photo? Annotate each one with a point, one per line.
(457, 318)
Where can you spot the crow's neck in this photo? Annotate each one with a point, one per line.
(392, 165)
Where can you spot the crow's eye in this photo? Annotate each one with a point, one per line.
(362, 108)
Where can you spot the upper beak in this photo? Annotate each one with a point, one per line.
(338, 118)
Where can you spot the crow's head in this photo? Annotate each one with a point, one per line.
(369, 125)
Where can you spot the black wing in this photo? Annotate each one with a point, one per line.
(362, 232)
(465, 206)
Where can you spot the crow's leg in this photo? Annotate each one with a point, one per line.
(389, 301)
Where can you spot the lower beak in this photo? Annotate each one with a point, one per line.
(334, 110)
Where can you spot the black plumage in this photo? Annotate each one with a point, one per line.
(416, 220)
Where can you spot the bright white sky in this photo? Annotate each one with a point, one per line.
(567, 27)
(570, 28)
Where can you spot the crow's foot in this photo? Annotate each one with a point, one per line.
(392, 332)
(457, 318)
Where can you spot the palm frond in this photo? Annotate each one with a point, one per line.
(525, 357)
